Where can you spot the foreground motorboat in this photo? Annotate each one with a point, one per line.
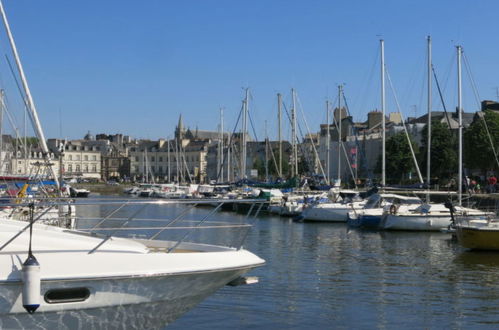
(92, 281)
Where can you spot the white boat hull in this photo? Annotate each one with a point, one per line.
(130, 303)
(129, 283)
(336, 214)
(417, 222)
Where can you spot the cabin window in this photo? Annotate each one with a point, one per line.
(66, 295)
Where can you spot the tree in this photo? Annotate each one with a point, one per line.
(443, 161)
(273, 170)
(303, 165)
(259, 165)
(478, 151)
(399, 160)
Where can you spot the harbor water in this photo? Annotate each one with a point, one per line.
(325, 275)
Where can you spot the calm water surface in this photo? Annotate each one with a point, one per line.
(323, 275)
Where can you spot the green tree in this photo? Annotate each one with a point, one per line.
(259, 165)
(303, 166)
(443, 162)
(273, 170)
(478, 153)
(30, 141)
(399, 160)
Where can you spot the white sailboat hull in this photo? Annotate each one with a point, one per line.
(328, 212)
(418, 222)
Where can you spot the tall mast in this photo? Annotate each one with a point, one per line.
(294, 171)
(279, 117)
(460, 121)
(219, 151)
(221, 143)
(2, 105)
(328, 138)
(339, 133)
(229, 162)
(266, 154)
(169, 163)
(428, 154)
(30, 103)
(383, 151)
(243, 138)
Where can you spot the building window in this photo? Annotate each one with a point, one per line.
(77, 168)
(160, 169)
(70, 168)
(94, 157)
(85, 169)
(152, 159)
(77, 157)
(70, 157)
(160, 159)
(136, 158)
(94, 168)
(85, 157)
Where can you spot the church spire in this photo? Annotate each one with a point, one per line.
(180, 130)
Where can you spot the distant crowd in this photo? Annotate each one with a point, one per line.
(479, 185)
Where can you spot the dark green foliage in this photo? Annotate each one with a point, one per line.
(478, 153)
(30, 141)
(273, 170)
(399, 160)
(443, 154)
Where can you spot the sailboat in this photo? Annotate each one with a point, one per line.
(51, 277)
(432, 216)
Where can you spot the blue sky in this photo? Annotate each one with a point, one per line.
(133, 66)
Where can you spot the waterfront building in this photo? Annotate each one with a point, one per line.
(32, 163)
(166, 161)
(80, 159)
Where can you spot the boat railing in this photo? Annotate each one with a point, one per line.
(175, 221)
(168, 220)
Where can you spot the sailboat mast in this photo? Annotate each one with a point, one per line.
(266, 154)
(339, 133)
(279, 117)
(2, 105)
(383, 150)
(294, 171)
(328, 138)
(169, 163)
(460, 122)
(428, 152)
(219, 152)
(221, 143)
(30, 102)
(243, 138)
